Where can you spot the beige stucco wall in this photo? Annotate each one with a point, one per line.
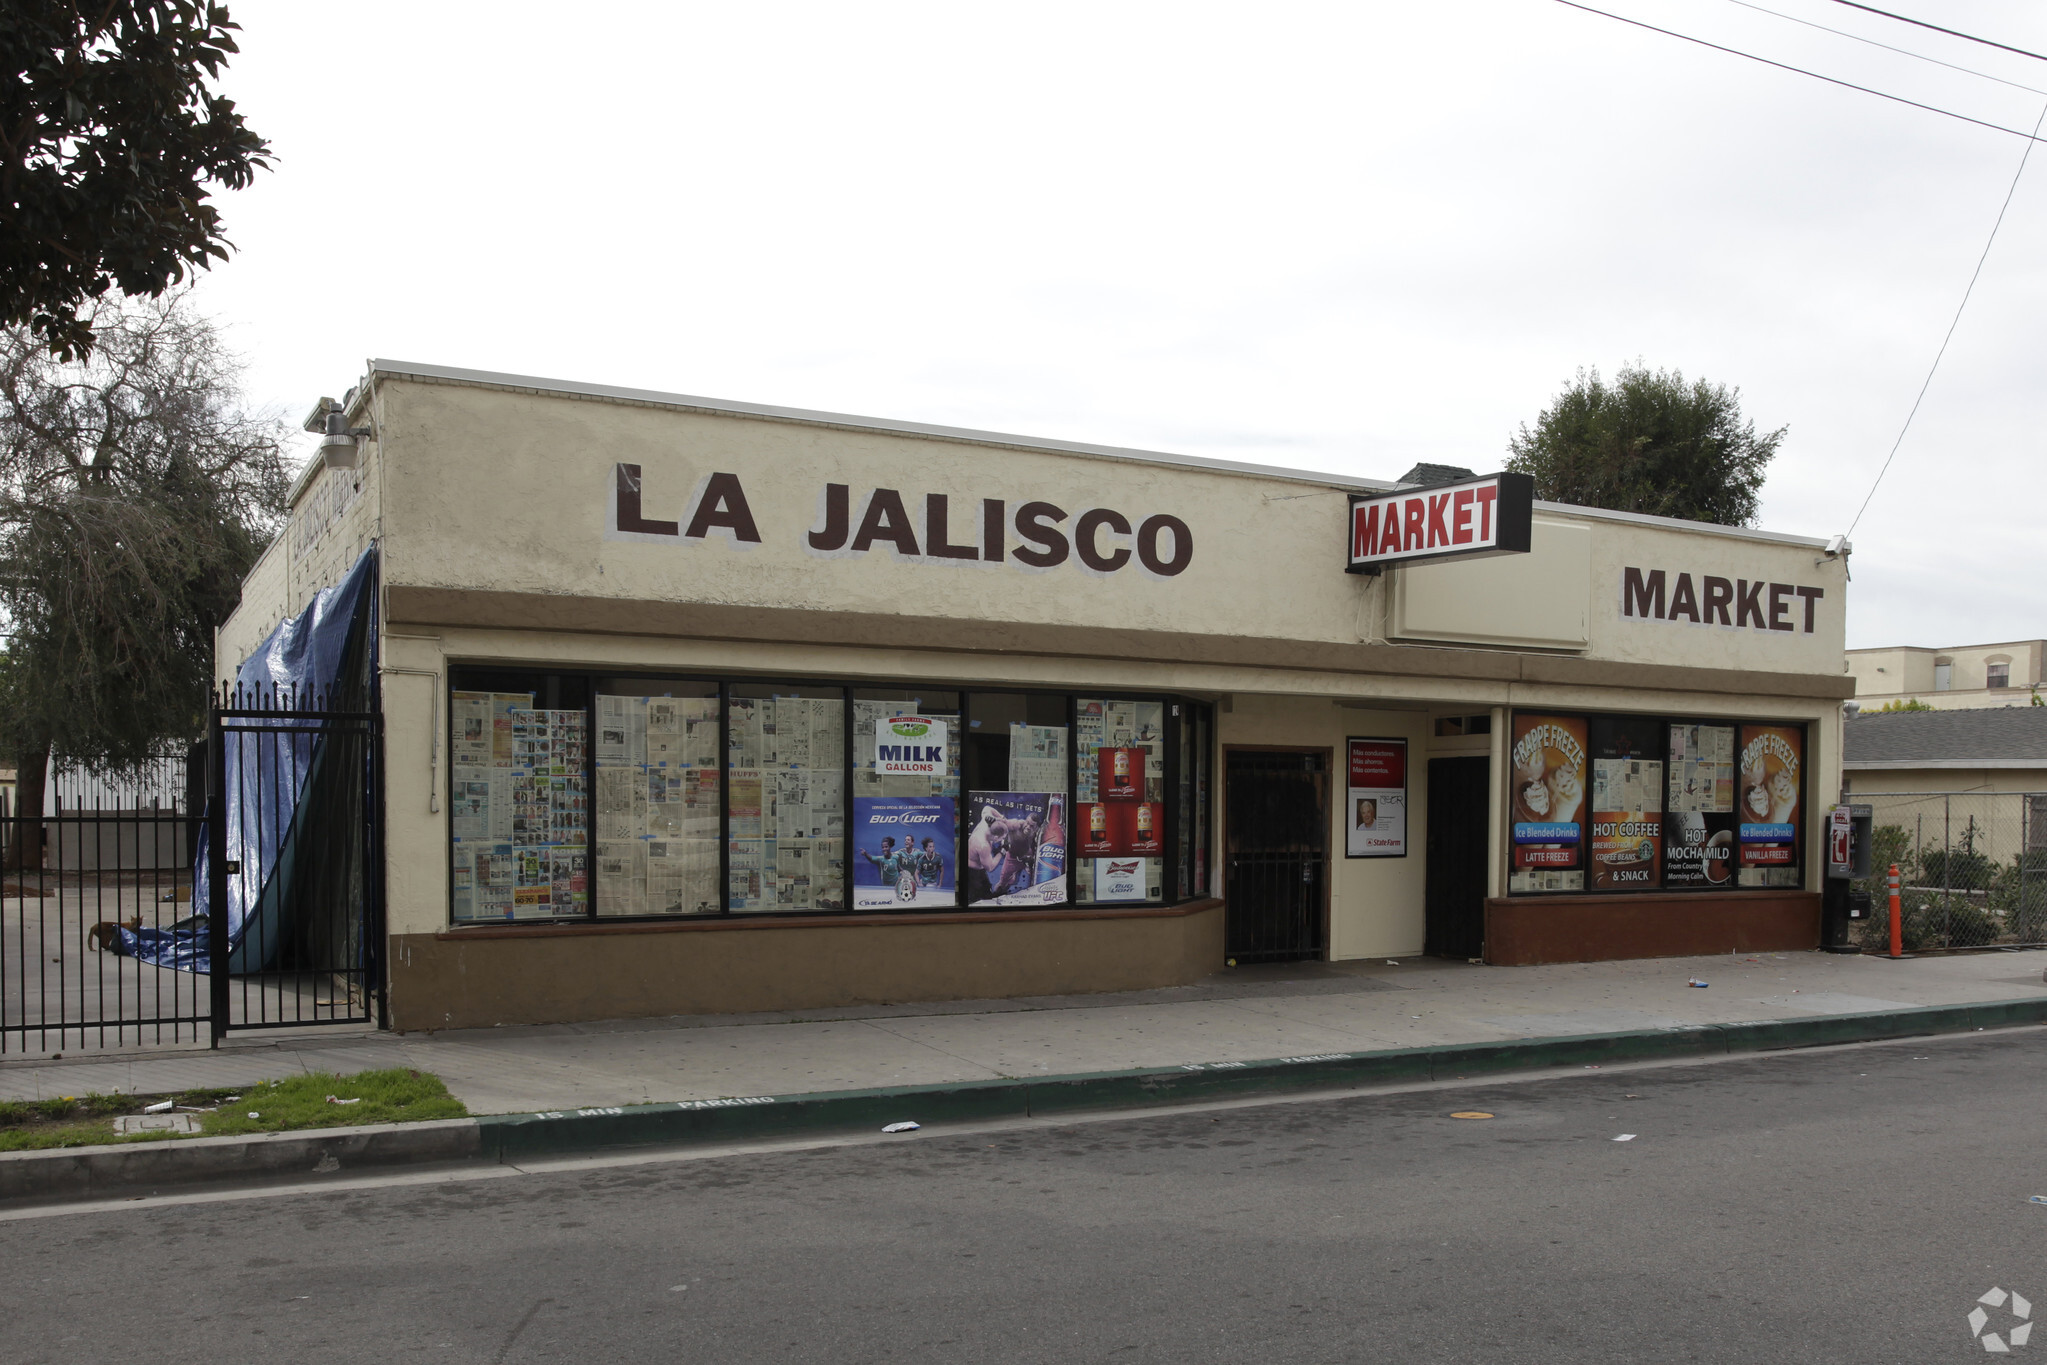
(510, 492)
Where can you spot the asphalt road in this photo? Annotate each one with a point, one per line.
(1844, 1205)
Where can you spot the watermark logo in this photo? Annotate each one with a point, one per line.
(2001, 1343)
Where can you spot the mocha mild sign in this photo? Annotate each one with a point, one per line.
(1469, 519)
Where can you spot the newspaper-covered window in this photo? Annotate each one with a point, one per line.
(1119, 800)
(519, 814)
(657, 797)
(785, 775)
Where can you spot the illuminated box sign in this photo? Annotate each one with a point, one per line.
(1464, 520)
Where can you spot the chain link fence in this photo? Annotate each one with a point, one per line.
(1972, 865)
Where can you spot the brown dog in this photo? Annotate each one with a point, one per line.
(106, 935)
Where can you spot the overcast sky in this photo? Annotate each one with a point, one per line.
(1343, 237)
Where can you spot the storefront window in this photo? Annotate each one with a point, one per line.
(657, 797)
(1641, 803)
(906, 790)
(518, 806)
(785, 798)
(1770, 794)
(1698, 822)
(1119, 800)
(1017, 770)
(1627, 803)
(581, 795)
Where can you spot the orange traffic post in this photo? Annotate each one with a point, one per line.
(1897, 917)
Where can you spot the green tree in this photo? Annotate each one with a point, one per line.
(1903, 704)
(136, 490)
(109, 136)
(1649, 441)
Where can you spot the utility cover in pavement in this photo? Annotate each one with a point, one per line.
(156, 1123)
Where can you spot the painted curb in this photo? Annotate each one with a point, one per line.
(516, 1137)
(131, 1168)
(144, 1167)
(510, 1137)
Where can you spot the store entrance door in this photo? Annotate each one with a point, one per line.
(1454, 915)
(1276, 823)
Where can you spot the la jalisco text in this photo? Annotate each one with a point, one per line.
(1045, 534)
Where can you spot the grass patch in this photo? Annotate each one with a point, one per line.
(398, 1095)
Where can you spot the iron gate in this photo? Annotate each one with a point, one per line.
(151, 925)
(1277, 822)
(294, 863)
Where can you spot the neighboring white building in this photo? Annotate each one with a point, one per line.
(1956, 677)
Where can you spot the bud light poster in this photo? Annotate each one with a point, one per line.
(1121, 879)
(904, 851)
(1016, 848)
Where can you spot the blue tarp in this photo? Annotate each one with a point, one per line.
(306, 652)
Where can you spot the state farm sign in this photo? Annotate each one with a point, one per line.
(1469, 519)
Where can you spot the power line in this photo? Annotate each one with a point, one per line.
(1950, 32)
(1973, 277)
(1901, 51)
(1799, 70)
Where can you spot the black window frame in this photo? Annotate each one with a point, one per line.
(1178, 709)
(1663, 721)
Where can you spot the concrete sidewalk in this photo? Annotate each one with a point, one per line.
(1244, 1014)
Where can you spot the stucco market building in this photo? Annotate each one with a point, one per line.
(696, 706)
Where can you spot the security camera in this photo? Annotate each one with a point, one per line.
(1837, 547)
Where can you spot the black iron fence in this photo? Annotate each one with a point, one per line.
(93, 887)
(125, 927)
(1972, 868)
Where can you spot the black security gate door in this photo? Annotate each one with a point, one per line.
(1278, 837)
(1455, 917)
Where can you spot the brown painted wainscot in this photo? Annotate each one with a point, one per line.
(1525, 930)
(481, 975)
